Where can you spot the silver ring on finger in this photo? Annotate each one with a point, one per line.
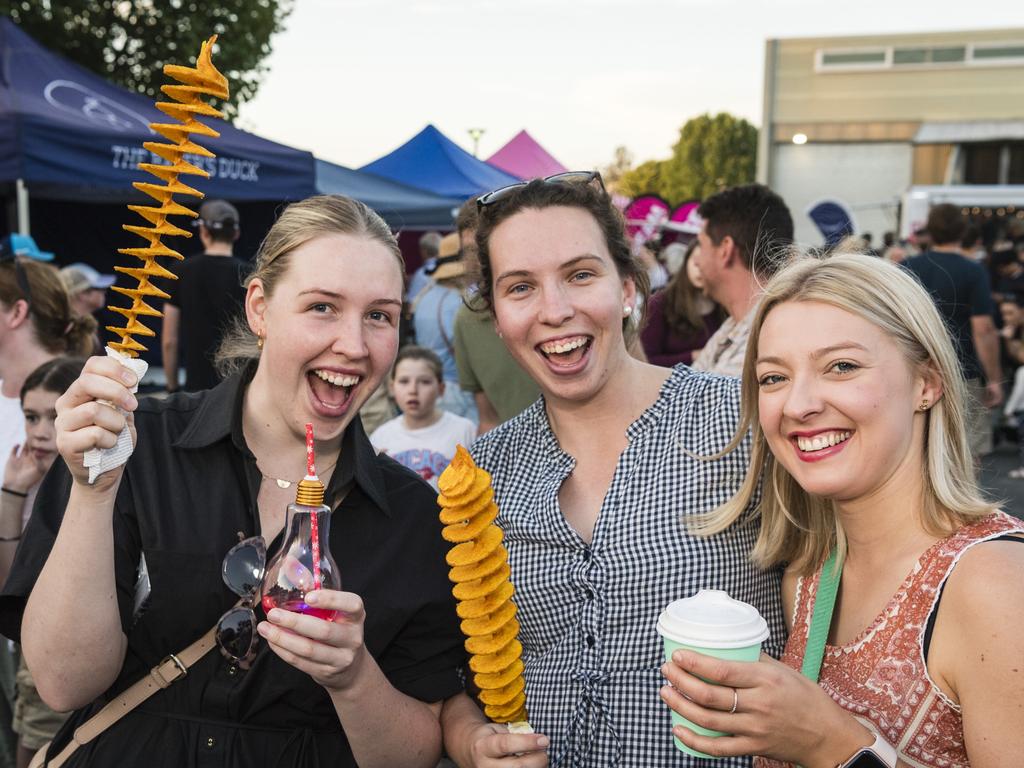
(735, 701)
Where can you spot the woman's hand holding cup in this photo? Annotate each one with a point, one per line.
(727, 698)
(87, 420)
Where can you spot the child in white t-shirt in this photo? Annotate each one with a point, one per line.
(424, 437)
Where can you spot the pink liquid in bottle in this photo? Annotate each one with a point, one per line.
(299, 605)
(290, 574)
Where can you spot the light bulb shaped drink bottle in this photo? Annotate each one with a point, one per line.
(304, 562)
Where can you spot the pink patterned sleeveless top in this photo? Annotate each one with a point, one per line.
(881, 676)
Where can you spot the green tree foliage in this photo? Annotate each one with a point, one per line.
(644, 179)
(712, 153)
(129, 41)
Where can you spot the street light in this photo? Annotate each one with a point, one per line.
(475, 134)
(799, 138)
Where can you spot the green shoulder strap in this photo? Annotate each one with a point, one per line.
(821, 618)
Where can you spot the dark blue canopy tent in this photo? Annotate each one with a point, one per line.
(432, 161)
(403, 207)
(68, 134)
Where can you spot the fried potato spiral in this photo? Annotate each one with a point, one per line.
(480, 573)
(195, 83)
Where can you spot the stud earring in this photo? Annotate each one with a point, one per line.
(925, 404)
(627, 311)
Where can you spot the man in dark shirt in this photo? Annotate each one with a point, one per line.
(205, 298)
(963, 296)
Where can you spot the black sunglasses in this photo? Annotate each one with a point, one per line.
(242, 570)
(19, 273)
(569, 177)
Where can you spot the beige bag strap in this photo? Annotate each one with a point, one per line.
(162, 675)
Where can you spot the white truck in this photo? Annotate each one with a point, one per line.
(1002, 199)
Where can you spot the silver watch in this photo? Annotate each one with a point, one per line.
(881, 754)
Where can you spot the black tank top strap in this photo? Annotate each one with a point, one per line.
(930, 626)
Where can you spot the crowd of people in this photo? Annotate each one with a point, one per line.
(727, 414)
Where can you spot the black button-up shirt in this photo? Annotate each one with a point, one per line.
(188, 492)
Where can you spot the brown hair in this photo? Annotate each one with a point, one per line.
(682, 301)
(757, 220)
(412, 352)
(467, 217)
(55, 376)
(946, 224)
(298, 224)
(538, 195)
(56, 328)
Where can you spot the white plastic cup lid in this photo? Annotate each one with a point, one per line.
(712, 619)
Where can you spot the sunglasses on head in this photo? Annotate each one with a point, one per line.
(569, 177)
(19, 274)
(242, 570)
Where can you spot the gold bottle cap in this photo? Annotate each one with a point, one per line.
(310, 492)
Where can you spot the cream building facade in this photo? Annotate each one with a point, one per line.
(863, 119)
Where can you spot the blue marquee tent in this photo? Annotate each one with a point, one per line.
(68, 134)
(432, 161)
(403, 207)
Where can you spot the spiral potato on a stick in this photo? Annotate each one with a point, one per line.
(482, 588)
(195, 83)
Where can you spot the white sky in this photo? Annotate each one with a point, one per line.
(351, 80)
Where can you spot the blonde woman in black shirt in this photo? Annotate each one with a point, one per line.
(322, 309)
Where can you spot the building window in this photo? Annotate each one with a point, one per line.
(862, 58)
(1015, 170)
(925, 56)
(997, 54)
(981, 163)
(993, 162)
(1000, 54)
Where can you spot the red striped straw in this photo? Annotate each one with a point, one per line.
(311, 472)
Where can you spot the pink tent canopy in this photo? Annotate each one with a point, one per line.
(525, 158)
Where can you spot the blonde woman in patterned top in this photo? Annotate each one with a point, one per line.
(853, 394)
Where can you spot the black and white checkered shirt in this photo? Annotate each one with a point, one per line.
(588, 612)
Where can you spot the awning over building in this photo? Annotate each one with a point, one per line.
(970, 132)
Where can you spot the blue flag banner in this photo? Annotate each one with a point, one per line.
(833, 219)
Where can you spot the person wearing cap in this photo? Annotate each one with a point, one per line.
(25, 246)
(204, 301)
(87, 288)
(433, 311)
(430, 243)
(87, 292)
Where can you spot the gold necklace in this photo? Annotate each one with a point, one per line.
(284, 484)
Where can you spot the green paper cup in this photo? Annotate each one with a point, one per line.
(714, 624)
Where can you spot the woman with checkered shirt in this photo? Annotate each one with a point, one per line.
(596, 483)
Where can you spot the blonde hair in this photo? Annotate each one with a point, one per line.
(298, 224)
(802, 529)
